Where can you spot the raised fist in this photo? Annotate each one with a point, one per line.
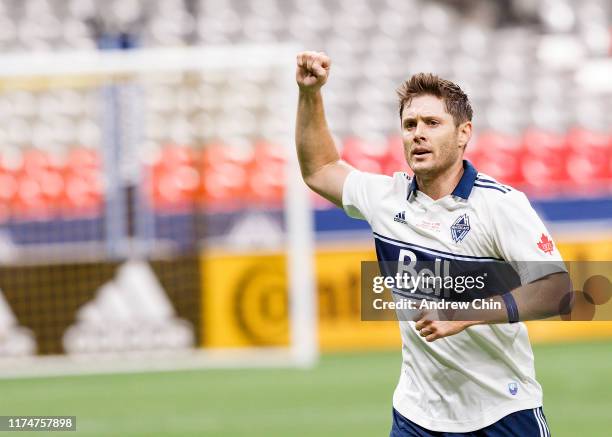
(312, 70)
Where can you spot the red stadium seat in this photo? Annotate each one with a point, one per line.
(174, 178)
(82, 192)
(9, 185)
(473, 151)
(394, 160)
(8, 188)
(266, 175)
(8, 192)
(499, 155)
(543, 164)
(365, 156)
(29, 202)
(52, 186)
(217, 154)
(174, 188)
(588, 156)
(173, 156)
(37, 186)
(83, 159)
(609, 178)
(35, 161)
(224, 181)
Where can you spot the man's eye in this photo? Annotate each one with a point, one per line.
(433, 123)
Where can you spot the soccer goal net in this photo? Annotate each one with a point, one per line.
(151, 212)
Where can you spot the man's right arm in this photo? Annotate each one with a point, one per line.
(320, 163)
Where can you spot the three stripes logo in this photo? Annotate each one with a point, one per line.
(400, 217)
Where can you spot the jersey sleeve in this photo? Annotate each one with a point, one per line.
(361, 192)
(523, 240)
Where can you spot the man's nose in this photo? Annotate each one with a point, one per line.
(419, 131)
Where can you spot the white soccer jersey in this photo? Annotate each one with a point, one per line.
(470, 380)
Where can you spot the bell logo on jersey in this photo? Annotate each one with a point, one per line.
(513, 388)
(545, 244)
(400, 217)
(460, 228)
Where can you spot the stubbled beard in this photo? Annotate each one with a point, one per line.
(435, 166)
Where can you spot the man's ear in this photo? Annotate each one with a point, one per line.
(464, 133)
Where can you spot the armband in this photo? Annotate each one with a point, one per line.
(511, 308)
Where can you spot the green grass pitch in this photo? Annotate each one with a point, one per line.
(345, 395)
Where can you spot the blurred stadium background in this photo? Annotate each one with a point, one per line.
(150, 220)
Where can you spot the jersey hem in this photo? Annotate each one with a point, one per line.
(489, 418)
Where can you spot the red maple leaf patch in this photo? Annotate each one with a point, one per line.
(546, 244)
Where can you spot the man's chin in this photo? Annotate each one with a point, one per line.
(422, 168)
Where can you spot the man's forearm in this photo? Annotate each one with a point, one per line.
(315, 145)
(538, 300)
(547, 297)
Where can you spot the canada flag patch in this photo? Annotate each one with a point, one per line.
(545, 244)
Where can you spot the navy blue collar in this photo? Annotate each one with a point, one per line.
(463, 188)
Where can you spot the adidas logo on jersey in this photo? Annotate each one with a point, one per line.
(400, 217)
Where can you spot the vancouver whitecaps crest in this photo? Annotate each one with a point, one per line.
(460, 228)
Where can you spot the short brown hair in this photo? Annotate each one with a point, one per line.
(456, 101)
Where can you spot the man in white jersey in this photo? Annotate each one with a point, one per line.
(472, 375)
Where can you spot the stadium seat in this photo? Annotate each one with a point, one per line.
(589, 153)
(174, 178)
(52, 186)
(83, 159)
(83, 194)
(29, 202)
(35, 161)
(543, 164)
(173, 156)
(174, 187)
(35, 188)
(365, 156)
(499, 155)
(266, 175)
(83, 191)
(224, 176)
(394, 160)
(8, 189)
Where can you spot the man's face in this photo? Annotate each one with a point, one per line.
(431, 139)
